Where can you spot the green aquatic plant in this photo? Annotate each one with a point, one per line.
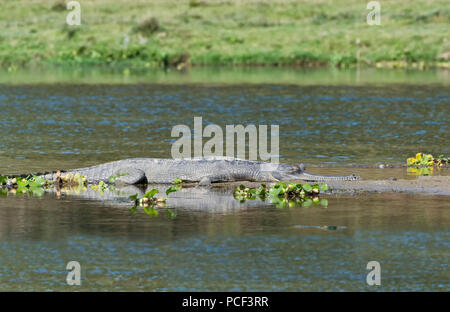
(282, 194)
(441, 160)
(37, 184)
(173, 189)
(70, 179)
(420, 171)
(3, 180)
(149, 202)
(422, 160)
(423, 164)
(30, 181)
(112, 179)
(31, 184)
(101, 187)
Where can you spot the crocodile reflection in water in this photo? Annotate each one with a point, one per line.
(217, 199)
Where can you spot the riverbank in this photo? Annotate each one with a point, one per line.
(220, 76)
(179, 34)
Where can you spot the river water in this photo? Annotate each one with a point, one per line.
(216, 246)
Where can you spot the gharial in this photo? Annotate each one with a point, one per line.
(204, 170)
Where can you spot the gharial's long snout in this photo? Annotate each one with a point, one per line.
(301, 174)
(318, 178)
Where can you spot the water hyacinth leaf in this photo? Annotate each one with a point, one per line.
(151, 193)
(152, 211)
(324, 187)
(133, 209)
(315, 189)
(3, 180)
(274, 199)
(282, 204)
(147, 211)
(275, 191)
(172, 189)
(308, 188)
(22, 190)
(261, 191)
(307, 203)
(324, 202)
(133, 197)
(171, 213)
(21, 182)
(36, 182)
(37, 191)
(112, 179)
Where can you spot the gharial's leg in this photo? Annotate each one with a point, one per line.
(205, 181)
(130, 176)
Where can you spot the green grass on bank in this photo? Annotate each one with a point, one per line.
(218, 32)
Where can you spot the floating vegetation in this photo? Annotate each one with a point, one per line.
(149, 202)
(32, 184)
(423, 164)
(420, 171)
(70, 179)
(101, 187)
(283, 195)
(38, 184)
(112, 179)
(425, 160)
(441, 160)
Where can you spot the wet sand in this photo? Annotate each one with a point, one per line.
(436, 185)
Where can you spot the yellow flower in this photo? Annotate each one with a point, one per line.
(410, 161)
(419, 157)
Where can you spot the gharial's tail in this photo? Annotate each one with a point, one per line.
(26, 175)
